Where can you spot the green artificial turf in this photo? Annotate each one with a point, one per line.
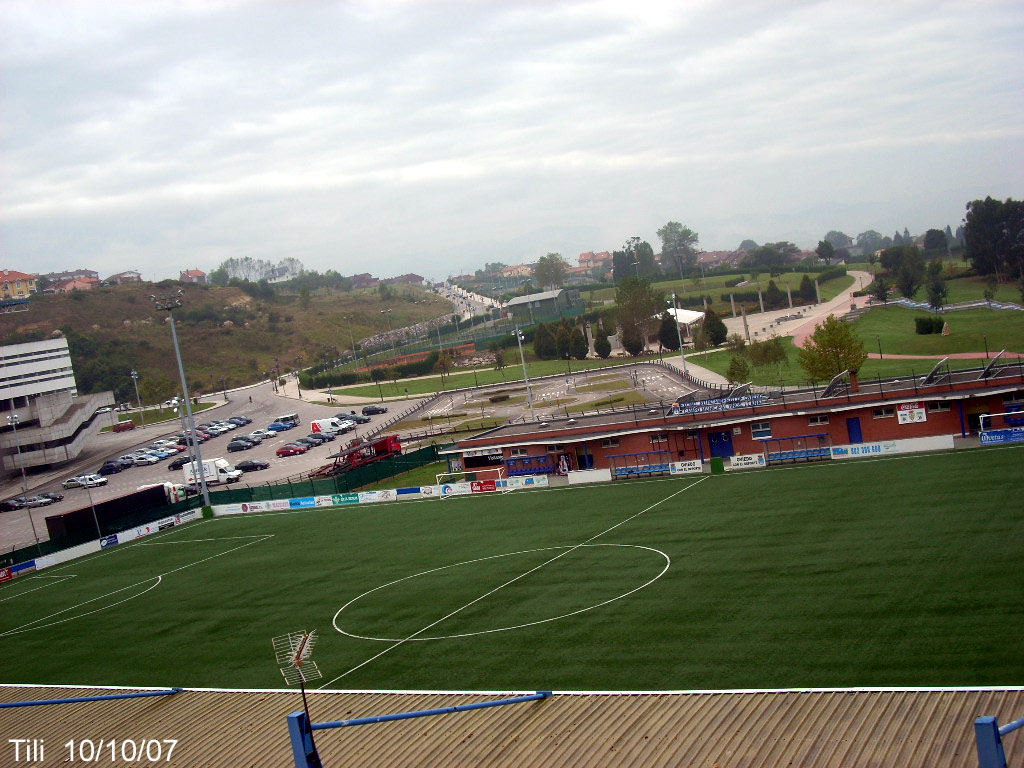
(893, 572)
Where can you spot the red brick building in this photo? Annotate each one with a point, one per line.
(779, 427)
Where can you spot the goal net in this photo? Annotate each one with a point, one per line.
(463, 483)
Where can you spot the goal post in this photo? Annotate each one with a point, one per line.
(468, 481)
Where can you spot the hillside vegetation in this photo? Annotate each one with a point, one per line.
(228, 337)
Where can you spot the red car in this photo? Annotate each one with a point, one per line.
(291, 450)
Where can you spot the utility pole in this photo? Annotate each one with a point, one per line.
(526, 378)
(135, 380)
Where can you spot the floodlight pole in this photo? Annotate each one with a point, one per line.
(168, 304)
(526, 378)
(135, 380)
(13, 420)
(679, 334)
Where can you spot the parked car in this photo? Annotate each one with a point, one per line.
(323, 437)
(254, 441)
(179, 462)
(358, 418)
(306, 442)
(291, 450)
(228, 425)
(38, 501)
(262, 433)
(372, 410)
(84, 481)
(251, 465)
(277, 426)
(240, 420)
(255, 436)
(124, 426)
(8, 506)
(145, 459)
(239, 445)
(109, 468)
(54, 495)
(126, 460)
(18, 502)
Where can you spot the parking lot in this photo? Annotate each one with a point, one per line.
(16, 529)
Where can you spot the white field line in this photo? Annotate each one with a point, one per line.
(56, 580)
(159, 578)
(507, 583)
(194, 541)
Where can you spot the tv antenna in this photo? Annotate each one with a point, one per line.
(294, 653)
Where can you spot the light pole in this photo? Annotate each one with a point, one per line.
(95, 518)
(135, 380)
(526, 378)
(879, 340)
(168, 303)
(679, 334)
(387, 316)
(13, 420)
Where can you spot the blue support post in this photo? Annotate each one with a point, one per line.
(301, 736)
(44, 702)
(990, 745)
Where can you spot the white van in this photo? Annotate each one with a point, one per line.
(331, 426)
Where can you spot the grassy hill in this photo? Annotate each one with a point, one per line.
(225, 333)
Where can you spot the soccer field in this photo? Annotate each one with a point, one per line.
(890, 572)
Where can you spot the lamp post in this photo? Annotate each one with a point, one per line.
(13, 420)
(387, 316)
(168, 303)
(135, 380)
(879, 340)
(95, 517)
(679, 334)
(526, 378)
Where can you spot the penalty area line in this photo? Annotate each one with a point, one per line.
(523, 575)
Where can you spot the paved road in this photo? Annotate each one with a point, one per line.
(16, 529)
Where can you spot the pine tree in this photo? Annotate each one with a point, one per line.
(668, 335)
(806, 290)
(602, 347)
(738, 371)
(578, 344)
(544, 342)
(632, 340)
(714, 328)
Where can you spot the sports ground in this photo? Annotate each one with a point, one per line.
(901, 571)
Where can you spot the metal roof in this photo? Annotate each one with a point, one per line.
(800, 729)
(534, 297)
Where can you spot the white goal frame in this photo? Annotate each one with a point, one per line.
(489, 473)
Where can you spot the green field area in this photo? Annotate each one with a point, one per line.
(893, 328)
(156, 415)
(869, 572)
(513, 372)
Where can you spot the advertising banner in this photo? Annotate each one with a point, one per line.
(5, 574)
(108, 541)
(746, 461)
(688, 467)
(911, 413)
(305, 501)
(345, 498)
(370, 497)
(482, 486)
(1001, 436)
(277, 504)
(719, 404)
(430, 490)
(892, 447)
(456, 489)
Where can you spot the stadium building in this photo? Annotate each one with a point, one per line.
(740, 428)
(43, 420)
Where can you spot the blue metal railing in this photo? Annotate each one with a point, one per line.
(300, 729)
(989, 735)
(76, 700)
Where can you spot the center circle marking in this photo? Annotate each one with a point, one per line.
(667, 565)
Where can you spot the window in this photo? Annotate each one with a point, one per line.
(517, 452)
(659, 437)
(821, 418)
(1013, 397)
(939, 406)
(610, 442)
(556, 448)
(761, 429)
(884, 413)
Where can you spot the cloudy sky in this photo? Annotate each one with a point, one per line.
(432, 137)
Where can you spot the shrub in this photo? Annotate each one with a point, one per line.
(927, 325)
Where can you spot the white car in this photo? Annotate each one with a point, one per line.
(127, 459)
(262, 434)
(228, 425)
(87, 481)
(145, 459)
(254, 436)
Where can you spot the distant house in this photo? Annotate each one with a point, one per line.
(128, 276)
(518, 270)
(76, 284)
(364, 280)
(409, 279)
(72, 274)
(194, 276)
(16, 285)
(590, 259)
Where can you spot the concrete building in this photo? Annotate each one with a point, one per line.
(72, 274)
(41, 413)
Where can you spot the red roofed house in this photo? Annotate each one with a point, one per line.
(128, 276)
(194, 276)
(16, 285)
(76, 284)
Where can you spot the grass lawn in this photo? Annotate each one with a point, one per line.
(617, 382)
(484, 376)
(973, 289)
(894, 327)
(625, 398)
(425, 475)
(857, 573)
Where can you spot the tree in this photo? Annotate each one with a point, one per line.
(768, 352)
(713, 326)
(551, 271)
(830, 350)
(248, 269)
(156, 388)
(218, 276)
(910, 274)
(747, 245)
(678, 245)
(738, 371)
(826, 251)
(304, 297)
(773, 257)
(879, 289)
(937, 292)
(735, 342)
(839, 239)
(602, 347)
(934, 240)
(637, 303)
(544, 342)
(773, 296)
(807, 291)
(668, 332)
(871, 241)
(562, 342)
(578, 348)
(994, 237)
(631, 340)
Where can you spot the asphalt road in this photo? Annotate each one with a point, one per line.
(16, 528)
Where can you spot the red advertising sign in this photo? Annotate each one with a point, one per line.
(5, 574)
(483, 486)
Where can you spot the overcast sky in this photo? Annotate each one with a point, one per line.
(433, 137)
